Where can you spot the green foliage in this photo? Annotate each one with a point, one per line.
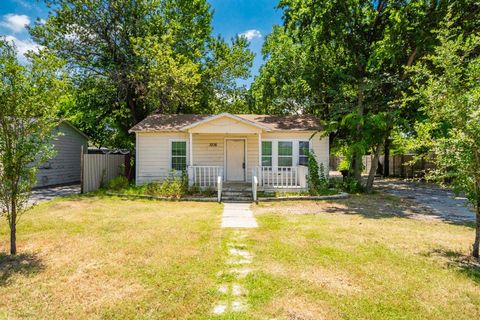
(30, 95)
(131, 58)
(344, 61)
(118, 183)
(317, 181)
(447, 85)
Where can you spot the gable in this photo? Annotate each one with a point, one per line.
(225, 124)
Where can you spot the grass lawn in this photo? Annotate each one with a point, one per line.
(368, 257)
(109, 258)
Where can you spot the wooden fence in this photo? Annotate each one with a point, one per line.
(99, 169)
(399, 165)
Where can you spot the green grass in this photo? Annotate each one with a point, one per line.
(367, 257)
(354, 263)
(93, 258)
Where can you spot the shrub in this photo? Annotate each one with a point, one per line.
(317, 181)
(118, 183)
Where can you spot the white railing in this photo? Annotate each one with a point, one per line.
(254, 184)
(282, 177)
(204, 176)
(219, 186)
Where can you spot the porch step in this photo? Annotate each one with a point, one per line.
(241, 199)
(236, 193)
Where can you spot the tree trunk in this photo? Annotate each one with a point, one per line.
(373, 169)
(13, 229)
(357, 168)
(386, 159)
(476, 243)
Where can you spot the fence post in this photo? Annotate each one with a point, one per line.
(82, 170)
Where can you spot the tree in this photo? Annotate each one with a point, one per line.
(344, 62)
(29, 95)
(140, 56)
(446, 83)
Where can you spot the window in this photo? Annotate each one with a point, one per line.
(267, 153)
(179, 155)
(285, 153)
(303, 149)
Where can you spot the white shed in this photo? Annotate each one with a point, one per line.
(65, 167)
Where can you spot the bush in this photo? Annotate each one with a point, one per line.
(317, 181)
(174, 187)
(118, 183)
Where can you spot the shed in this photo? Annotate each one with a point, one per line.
(65, 167)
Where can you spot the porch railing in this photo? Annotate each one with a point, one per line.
(204, 176)
(281, 177)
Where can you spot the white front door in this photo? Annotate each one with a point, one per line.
(235, 159)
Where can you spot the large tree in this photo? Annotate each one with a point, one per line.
(130, 58)
(29, 97)
(447, 85)
(344, 61)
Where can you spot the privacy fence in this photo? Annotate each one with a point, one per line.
(99, 169)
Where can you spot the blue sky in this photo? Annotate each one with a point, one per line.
(254, 18)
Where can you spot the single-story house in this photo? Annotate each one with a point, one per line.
(236, 148)
(65, 167)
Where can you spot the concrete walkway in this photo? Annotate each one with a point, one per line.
(238, 215)
(50, 193)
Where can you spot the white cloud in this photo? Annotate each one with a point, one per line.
(23, 46)
(15, 22)
(251, 34)
(23, 3)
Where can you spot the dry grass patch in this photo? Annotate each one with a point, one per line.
(92, 258)
(364, 258)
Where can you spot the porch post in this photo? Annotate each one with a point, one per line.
(190, 146)
(190, 170)
(259, 175)
(259, 149)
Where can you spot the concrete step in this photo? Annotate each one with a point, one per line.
(237, 193)
(237, 199)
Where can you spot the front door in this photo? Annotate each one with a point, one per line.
(235, 159)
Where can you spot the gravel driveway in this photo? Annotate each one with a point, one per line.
(45, 194)
(441, 202)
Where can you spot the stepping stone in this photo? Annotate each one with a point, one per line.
(240, 253)
(241, 273)
(238, 306)
(238, 215)
(237, 290)
(223, 289)
(220, 308)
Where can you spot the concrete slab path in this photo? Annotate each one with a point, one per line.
(238, 215)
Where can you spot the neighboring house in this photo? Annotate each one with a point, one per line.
(65, 167)
(232, 147)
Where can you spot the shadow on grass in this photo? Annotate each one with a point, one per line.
(466, 265)
(24, 264)
(382, 206)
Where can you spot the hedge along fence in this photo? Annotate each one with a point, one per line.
(99, 169)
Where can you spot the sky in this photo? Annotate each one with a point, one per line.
(252, 18)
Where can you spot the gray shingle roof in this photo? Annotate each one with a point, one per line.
(176, 122)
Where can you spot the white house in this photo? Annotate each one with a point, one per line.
(271, 150)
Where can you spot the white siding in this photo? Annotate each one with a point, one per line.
(153, 155)
(64, 168)
(319, 145)
(153, 151)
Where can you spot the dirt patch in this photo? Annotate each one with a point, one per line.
(318, 276)
(374, 205)
(295, 307)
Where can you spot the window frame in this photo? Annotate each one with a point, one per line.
(171, 156)
(291, 156)
(270, 155)
(304, 155)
